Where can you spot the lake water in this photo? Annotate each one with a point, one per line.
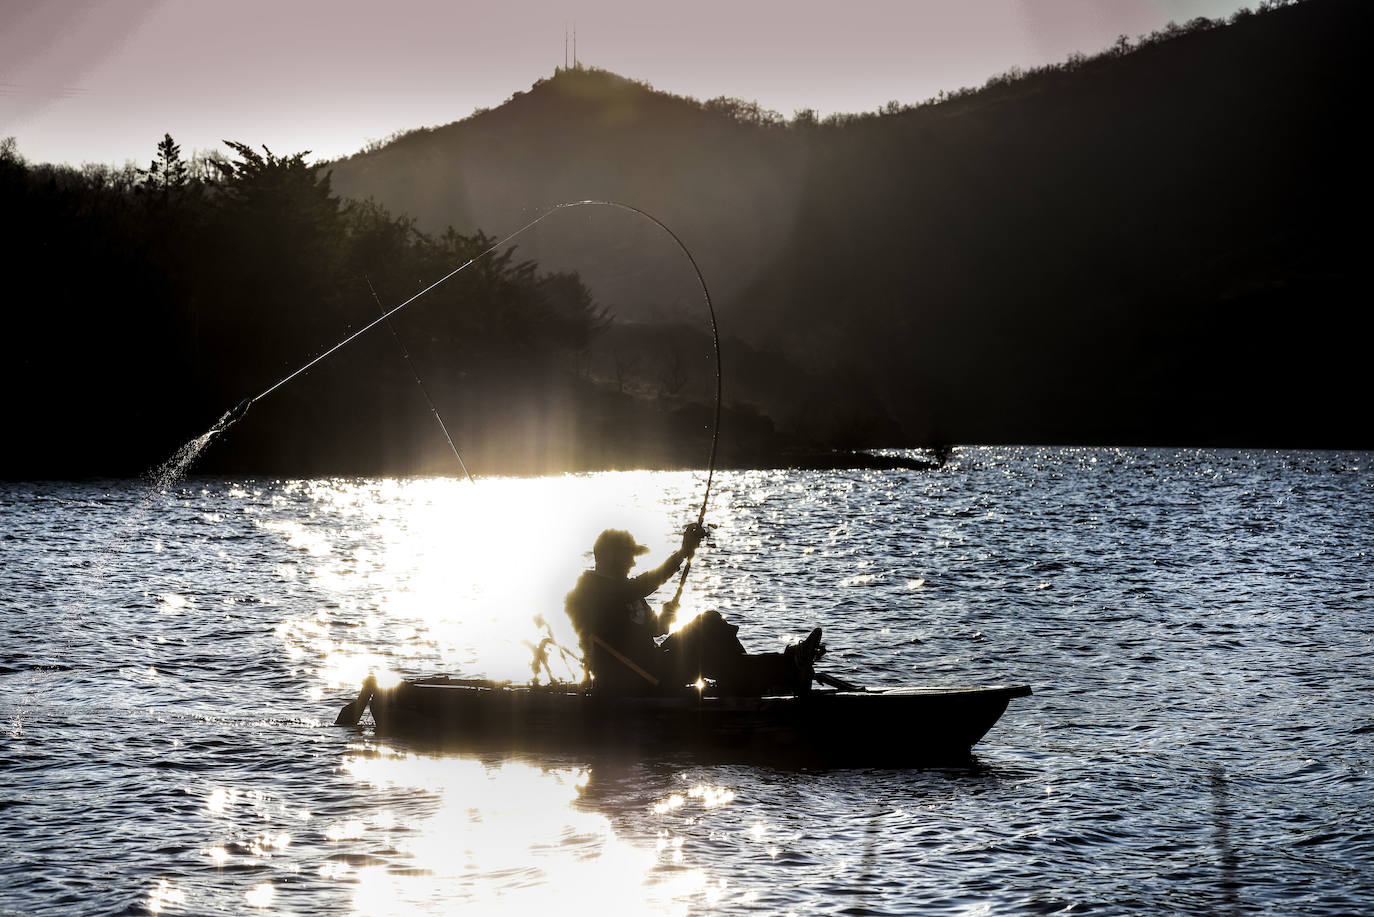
(1196, 626)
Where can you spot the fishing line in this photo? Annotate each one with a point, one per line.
(386, 314)
(433, 409)
(239, 411)
(234, 415)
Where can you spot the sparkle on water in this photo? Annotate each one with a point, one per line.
(1196, 626)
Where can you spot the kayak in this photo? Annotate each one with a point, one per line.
(892, 727)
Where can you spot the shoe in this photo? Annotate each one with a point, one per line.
(811, 649)
(804, 656)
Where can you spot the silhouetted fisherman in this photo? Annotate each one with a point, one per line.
(617, 628)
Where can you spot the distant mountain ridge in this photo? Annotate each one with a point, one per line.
(591, 134)
(1157, 245)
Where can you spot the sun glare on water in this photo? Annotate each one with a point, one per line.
(428, 575)
(403, 578)
(509, 837)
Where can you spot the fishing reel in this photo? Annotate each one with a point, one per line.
(701, 531)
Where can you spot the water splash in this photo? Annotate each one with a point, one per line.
(174, 469)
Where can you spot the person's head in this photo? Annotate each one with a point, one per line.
(615, 551)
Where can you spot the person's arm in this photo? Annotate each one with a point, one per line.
(646, 584)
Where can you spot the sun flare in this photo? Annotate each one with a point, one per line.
(453, 576)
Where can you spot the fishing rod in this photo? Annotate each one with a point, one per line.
(235, 414)
(433, 408)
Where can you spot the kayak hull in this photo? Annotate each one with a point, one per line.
(889, 728)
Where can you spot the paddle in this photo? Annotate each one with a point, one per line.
(353, 711)
(834, 682)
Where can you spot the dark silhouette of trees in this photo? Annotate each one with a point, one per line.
(167, 173)
(1160, 243)
(147, 301)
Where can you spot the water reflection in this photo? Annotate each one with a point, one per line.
(439, 575)
(601, 836)
(165, 897)
(1175, 610)
(436, 575)
(1228, 860)
(501, 835)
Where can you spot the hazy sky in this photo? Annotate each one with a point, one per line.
(103, 80)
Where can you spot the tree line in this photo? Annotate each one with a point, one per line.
(1159, 244)
(142, 302)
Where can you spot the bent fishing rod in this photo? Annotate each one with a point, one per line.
(235, 414)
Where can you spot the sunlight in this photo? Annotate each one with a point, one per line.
(512, 834)
(260, 895)
(446, 576)
(165, 896)
(172, 602)
(219, 800)
(711, 796)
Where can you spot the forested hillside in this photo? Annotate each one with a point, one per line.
(1162, 244)
(143, 303)
(1158, 244)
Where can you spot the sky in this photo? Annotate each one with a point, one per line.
(103, 80)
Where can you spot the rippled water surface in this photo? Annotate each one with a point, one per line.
(1196, 625)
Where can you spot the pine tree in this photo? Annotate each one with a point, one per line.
(168, 171)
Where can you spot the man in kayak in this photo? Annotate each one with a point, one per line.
(617, 628)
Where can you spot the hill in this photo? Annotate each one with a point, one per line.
(1160, 244)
